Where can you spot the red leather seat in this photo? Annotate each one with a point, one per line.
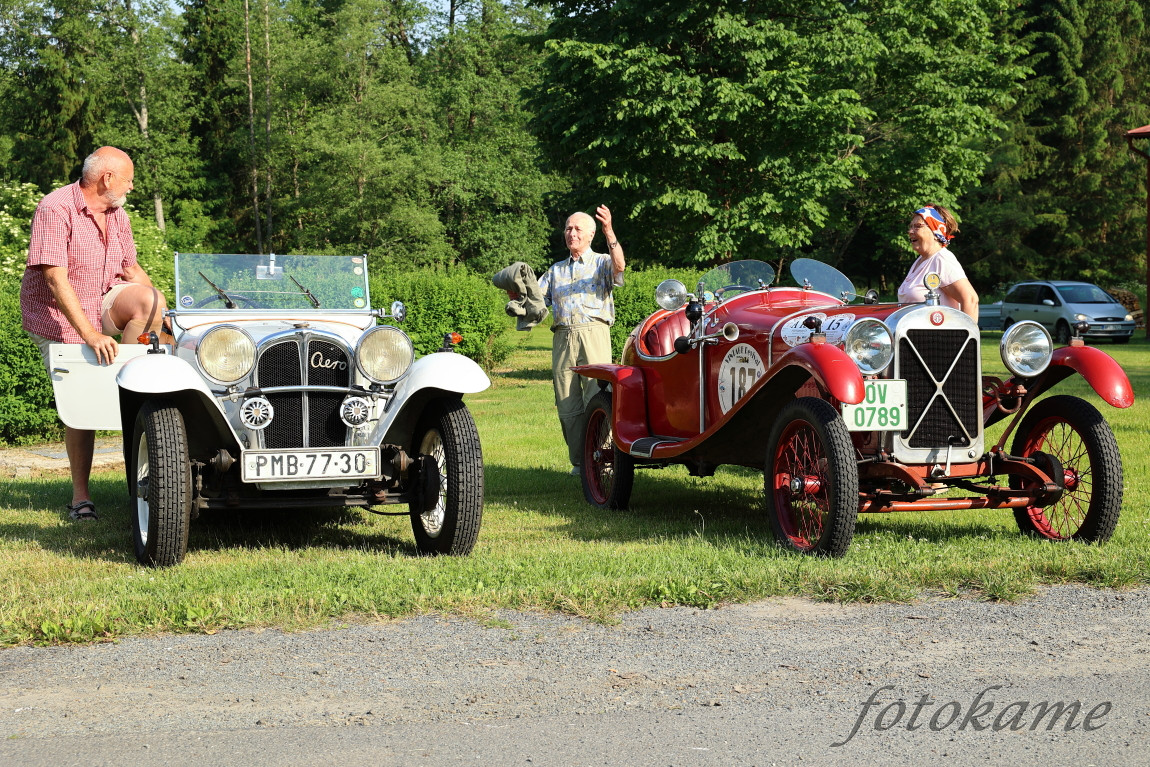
(659, 338)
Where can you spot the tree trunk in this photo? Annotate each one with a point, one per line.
(253, 167)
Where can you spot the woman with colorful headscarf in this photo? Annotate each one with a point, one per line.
(931, 229)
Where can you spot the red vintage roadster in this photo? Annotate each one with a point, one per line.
(853, 407)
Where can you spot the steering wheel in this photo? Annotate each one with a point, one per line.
(244, 301)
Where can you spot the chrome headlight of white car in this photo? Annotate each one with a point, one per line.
(384, 354)
(226, 353)
(870, 345)
(1026, 349)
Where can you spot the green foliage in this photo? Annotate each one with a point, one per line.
(717, 128)
(27, 413)
(1064, 198)
(492, 197)
(452, 300)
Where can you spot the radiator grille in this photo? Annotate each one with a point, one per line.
(304, 419)
(954, 416)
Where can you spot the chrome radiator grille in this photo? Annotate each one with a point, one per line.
(304, 419)
(944, 388)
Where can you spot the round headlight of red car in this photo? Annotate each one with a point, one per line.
(869, 344)
(670, 294)
(1026, 349)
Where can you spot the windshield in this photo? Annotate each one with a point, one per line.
(1084, 294)
(217, 282)
(734, 278)
(824, 278)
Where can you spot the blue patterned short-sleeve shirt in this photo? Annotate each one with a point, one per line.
(579, 290)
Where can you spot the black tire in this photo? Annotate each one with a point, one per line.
(1075, 433)
(448, 435)
(811, 479)
(608, 473)
(1006, 323)
(160, 485)
(1062, 332)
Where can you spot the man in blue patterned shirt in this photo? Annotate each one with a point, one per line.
(579, 291)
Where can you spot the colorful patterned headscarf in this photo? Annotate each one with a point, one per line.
(934, 220)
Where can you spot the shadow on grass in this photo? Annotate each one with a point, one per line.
(667, 503)
(525, 375)
(110, 537)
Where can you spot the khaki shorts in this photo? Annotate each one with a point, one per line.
(107, 326)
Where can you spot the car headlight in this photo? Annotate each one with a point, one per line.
(869, 344)
(384, 354)
(671, 294)
(1082, 318)
(226, 353)
(1026, 349)
(1129, 317)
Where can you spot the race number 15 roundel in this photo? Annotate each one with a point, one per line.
(741, 367)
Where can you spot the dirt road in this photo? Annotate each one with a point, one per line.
(1059, 679)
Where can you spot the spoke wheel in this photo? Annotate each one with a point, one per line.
(811, 479)
(607, 472)
(448, 437)
(1078, 437)
(160, 486)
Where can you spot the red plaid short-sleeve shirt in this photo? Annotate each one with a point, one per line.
(64, 233)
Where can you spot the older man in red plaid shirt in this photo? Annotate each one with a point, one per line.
(82, 283)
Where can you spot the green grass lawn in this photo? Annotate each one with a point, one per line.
(685, 540)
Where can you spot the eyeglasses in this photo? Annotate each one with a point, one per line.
(131, 182)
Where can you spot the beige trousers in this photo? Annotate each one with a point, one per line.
(584, 344)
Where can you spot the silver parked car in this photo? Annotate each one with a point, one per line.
(1059, 305)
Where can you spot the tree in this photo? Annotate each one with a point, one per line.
(491, 201)
(756, 128)
(50, 112)
(1063, 199)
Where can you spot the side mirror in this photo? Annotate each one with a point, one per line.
(870, 297)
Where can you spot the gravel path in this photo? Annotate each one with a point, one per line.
(776, 682)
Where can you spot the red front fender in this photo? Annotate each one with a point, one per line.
(1100, 370)
(831, 367)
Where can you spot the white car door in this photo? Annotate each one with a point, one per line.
(86, 393)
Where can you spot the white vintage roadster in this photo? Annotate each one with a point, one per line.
(283, 390)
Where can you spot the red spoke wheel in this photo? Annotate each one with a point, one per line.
(1075, 433)
(607, 473)
(812, 479)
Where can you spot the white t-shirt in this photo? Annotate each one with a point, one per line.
(943, 263)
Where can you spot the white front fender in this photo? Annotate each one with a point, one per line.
(161, 374)
(444, 370)
(441, 371)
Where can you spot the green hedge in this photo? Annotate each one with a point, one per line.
(441, 302)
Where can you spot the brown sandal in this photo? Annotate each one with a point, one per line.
(84, 510)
